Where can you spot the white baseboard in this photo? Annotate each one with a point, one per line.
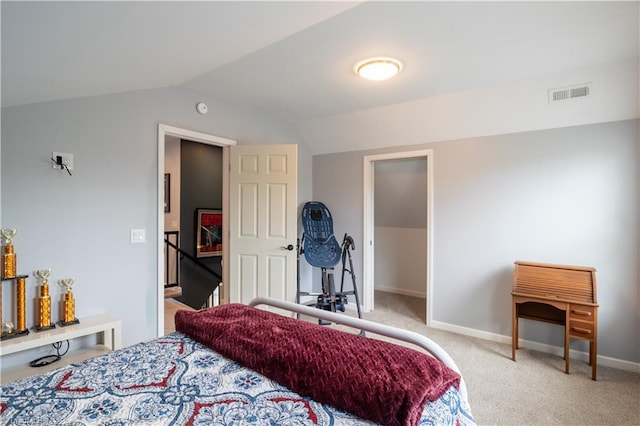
(308, 300)
(402, 291)
(606, 361)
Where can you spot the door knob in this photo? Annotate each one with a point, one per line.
(289, 247)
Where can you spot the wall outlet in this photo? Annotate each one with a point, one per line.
(66, 158)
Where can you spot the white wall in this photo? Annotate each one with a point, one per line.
(172, 166)
(400, 260)
(400, 235)
(509, 108)
(568, 195)
(79, 225)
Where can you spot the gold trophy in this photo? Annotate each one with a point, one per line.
(21, 305)
(7, 328)
(44, 302)
(8, 256)
(68, 303)
(17, 327)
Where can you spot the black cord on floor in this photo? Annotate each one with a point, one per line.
(50, 359)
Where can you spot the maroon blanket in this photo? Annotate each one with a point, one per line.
(372, 379)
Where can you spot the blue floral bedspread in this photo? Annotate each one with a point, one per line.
(174, 380)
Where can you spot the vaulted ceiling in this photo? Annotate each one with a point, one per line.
(294, 60)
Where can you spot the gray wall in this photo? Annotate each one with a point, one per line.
(401, 193)
(568, 195)
(200, 187)
(79, 226)
(400, 215)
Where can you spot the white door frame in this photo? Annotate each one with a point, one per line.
(368, 260)
(163, 131)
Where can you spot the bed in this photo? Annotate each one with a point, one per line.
(240, 365)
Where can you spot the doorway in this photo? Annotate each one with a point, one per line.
(369, 221)
(165, 132)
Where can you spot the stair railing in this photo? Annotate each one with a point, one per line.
(181, 254)
(168, 282)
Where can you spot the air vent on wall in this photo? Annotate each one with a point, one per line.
(569, 92)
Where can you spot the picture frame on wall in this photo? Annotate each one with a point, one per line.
(208, 232)
(167, 192)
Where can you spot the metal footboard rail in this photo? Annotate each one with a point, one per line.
(384, 330)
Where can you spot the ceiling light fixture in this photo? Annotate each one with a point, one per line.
(377, 69)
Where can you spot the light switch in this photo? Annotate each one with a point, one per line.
(138, 236)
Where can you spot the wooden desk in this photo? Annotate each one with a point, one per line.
(558, 294)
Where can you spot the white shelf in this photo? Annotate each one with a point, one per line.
(107, 327)
(20, 371)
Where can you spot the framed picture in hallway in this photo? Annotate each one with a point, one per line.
(208, 232)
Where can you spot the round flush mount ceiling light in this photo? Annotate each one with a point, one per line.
(378, 69)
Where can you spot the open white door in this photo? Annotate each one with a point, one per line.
(263, 222)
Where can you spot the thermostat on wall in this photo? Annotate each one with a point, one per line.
(201, 107)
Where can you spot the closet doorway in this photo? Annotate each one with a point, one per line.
(398, 207)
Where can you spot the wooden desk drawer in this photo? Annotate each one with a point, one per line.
(582, 313)
(582, 329)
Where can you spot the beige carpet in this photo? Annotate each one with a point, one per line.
(172, 292)
(171, 306)
(532, 391)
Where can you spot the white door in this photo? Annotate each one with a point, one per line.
(263, 222)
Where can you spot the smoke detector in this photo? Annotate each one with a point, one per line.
(201, 107)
